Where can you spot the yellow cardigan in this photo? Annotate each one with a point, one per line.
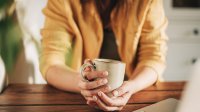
(73, 32)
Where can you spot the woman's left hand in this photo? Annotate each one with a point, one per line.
(121, 97)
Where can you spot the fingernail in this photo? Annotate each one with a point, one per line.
(99, 93)
(104, 81)
(105, 73)
(94, 98)
(87, 69)
(115, 93)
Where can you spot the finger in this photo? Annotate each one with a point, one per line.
(91, 103)
(88, 93)
(87, 69)
(112, 102)
(93, 84)
(120, 108)
(120, 91)
(102, 106)
(95, 74)
(88, 61)
(88, 98)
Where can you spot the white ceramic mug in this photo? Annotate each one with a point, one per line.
(115, 69)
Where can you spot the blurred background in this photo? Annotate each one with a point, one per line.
(21, 21)
(20, 24)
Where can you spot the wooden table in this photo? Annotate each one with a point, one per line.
(41, 98)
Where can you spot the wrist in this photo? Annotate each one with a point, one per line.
(132, 86)
(78, 79)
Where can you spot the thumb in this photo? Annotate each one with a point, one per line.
(120, 91)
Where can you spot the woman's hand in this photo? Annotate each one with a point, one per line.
(121, 97)
(97, 82)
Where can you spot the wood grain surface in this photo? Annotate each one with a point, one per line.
(36, 98)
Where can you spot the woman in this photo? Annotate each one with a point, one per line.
(85, 29)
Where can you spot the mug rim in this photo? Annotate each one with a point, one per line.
(111, 61)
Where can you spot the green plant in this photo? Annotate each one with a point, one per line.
(10, 34)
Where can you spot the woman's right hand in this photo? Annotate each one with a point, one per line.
(97, 82)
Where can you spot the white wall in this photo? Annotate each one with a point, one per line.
(184, 43)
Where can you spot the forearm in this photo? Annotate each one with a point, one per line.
(144, 77)
(63, 78)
